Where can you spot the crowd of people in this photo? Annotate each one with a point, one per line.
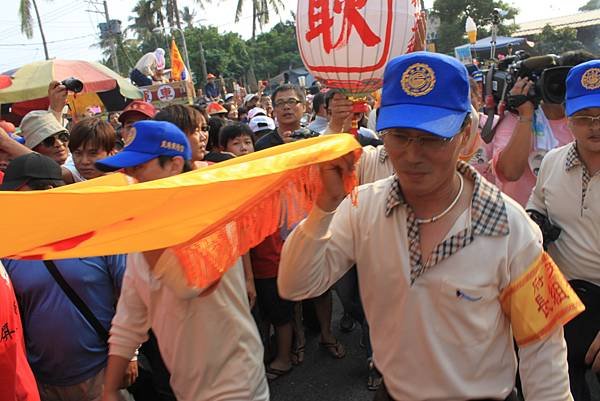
(434, 262)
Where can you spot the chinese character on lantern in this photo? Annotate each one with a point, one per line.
(320, 21)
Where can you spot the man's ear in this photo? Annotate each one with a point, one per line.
(177, 163)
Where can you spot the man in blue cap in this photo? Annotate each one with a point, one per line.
(443, 284)
(207, 336)
(567, 194)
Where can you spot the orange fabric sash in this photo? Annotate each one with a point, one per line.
(210, 216)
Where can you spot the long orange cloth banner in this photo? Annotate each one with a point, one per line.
(210, 216)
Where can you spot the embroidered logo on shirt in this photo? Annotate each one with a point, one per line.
(462, 295)
(591, 79)
(418, 80)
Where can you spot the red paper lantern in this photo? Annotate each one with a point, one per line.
(346, 44)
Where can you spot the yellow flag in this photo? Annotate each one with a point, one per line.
(210, 216)
(539, 301)
(177, 65)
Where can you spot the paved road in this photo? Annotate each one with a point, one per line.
(322, 378)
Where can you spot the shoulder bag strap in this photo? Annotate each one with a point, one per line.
(76, 300)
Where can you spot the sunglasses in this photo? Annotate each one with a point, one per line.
(51, 140)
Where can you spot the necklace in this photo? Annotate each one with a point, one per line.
(445, 212)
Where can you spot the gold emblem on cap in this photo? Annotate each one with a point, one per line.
(418, 80)
(130, 137)
(591, 79)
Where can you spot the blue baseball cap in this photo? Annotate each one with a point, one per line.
(425, 91)
(148, 140)
(583, 87)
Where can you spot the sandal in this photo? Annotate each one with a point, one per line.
(298, 355)
(274, 374)
(375, 379)
(335, 349)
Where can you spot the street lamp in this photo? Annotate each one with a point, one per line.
(185, 50)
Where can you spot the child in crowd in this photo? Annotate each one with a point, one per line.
(237, 139)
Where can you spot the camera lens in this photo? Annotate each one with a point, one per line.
(73, 84)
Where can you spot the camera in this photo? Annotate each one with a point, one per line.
(73, 84)
(303, 133)
(549, 79)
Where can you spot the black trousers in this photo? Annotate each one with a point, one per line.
(579, 334)
(383, 395)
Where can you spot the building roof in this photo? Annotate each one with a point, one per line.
(579, 20)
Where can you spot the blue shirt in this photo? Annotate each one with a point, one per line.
(63, 349)
(211, 90)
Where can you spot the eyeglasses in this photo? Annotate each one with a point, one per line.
(585, 121)
(203, 128)
(289, 102)
(51, 140)
(431, 143)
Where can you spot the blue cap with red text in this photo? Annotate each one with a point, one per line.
(425, 91)
(148, 140)
(583, 87)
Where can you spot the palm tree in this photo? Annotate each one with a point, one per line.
(147, 15)
(27, 21)
(188, 15)
(260, 11)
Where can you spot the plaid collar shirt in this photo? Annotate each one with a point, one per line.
(488, 217)
(573, 161)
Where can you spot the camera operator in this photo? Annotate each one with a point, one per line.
(567, 195)
(523, 138)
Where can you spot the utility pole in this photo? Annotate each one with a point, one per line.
(109, 30)
(39, 20)
(113, 40)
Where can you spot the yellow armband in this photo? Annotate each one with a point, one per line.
(540, 300)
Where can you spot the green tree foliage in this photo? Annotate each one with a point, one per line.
(275, 51)
(590, 36)
(226, 54)
(552, 41)
(590, 5)
(453, 15)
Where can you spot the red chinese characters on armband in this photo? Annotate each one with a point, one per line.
(539, 301)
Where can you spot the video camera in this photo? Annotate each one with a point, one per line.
(544, 71)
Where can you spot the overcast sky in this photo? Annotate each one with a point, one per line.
(71, 30)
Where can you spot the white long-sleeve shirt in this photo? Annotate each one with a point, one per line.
(208, 340)
(445, 337)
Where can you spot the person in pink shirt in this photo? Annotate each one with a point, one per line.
(516, 150)
(514, 157)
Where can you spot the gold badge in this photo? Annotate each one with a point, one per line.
(130, 137)
(418, 80)
(591, 79)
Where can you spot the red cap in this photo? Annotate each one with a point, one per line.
(137, 107)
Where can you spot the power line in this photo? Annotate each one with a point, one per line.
(47, 42)
(50, 16)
